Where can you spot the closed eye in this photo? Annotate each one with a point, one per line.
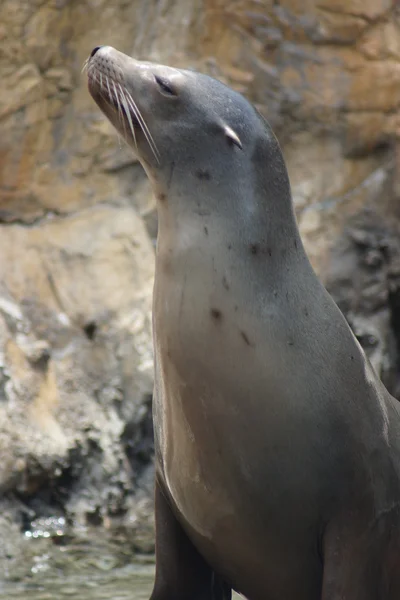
(165, 86)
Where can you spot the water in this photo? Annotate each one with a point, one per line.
(96, 565)
(92, 566)
(133, 583)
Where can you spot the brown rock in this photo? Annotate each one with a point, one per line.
(375, 87)
(75, 315)
(368, 9)
(382, 42)
(364, 132)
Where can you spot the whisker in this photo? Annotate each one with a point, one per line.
(108, 99)
(108, 88)
(101, 88)
(85, 65)
(126, 107)
(144, 127)
(124, 99)
(135, 112)
(120, 114)
(144, 124)
(128, 114)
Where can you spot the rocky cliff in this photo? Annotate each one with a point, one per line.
(77, 219)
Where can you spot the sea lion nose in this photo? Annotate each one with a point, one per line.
(93, 52)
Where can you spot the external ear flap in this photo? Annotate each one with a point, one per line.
(232, 137)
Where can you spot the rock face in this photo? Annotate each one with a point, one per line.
(77, 216)
(76, 352)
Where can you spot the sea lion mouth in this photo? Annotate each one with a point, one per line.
(108, 92)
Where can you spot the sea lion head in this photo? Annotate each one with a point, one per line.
(181, 121)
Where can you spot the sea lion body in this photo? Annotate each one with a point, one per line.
(277, 448)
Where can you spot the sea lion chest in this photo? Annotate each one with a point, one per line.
(224, 418)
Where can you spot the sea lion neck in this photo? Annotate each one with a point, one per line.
(203, 196)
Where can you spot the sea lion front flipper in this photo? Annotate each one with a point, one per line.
(181, 572)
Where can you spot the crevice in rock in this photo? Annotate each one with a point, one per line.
(337, 11)
(16, 220)
(41, 495)
(364, 279)
(52, 215)
(45, 495)
(138, 439)
(90, 330)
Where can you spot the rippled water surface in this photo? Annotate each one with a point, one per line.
(93, 567)
(133, 583)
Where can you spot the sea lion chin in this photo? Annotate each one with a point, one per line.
(277, 447)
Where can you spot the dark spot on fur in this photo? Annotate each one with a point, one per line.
(306, 311)
(216, 314)
(257, 248)
(295, 244)
(162, 197)
(90, 330)
(236, 307)
(291, 343)
(203, 174)
(205, 230)
(225, 283)
(246, 338)
(229, 247)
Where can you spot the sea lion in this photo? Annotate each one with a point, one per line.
(277, 447)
